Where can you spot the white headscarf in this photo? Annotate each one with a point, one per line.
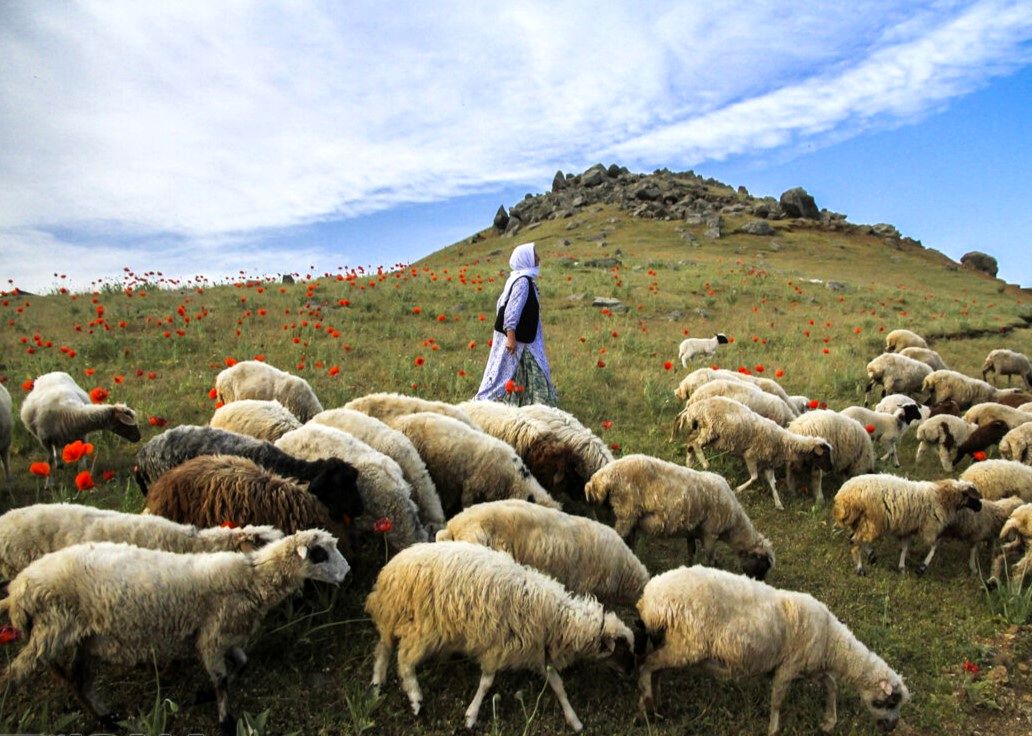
(522, 263)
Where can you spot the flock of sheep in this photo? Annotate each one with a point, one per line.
(240, 512)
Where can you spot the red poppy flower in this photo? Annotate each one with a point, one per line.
(99, 395)
(74, 451)
(814, 403)
(668, 365)
(825, 351)
(607, 424)
(382, 525)
(228, 524)
(461, 373)
(334, 370)
(971, 667)
(472, 345)
(419, 360)
(779, 373)
(119, 379)
(27, 385)
(84, 481)
(615, 448)
(510, 386)
(106, 475)
(416, 310)
(219, 404)
(8, 634)
(601, 364)
(39, 468)
(759, 368)
(151, 376)
(156, 421)
(979, 455)
(90, 371)
(230, 362)
(870, 428)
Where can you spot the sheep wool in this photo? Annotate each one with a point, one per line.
(1017, 444)
(966, 391)
(1015, 552)
(899, 339)
(460, 597)
(698, 377)
(732, 627)
(852, 448)
(692, 347)
(1008, 363)
(764, 404)
(945, 432)
(929, 357)
(252, 379)
(6, 431)
(896, 374)
(387, 406)
(591, 452)
(981, 527)
(982, 414)
(888, 428)
(997, 479)
(263, 420)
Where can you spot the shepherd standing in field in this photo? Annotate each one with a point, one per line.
(517, 369)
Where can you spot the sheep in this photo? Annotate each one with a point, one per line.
(800, 403)
(386, 406)
(123, 604)
(897, 374)
(693, 347)
(663, 499)
(980, 440)
(764, 404)
(252, 379)
(853, 450)
(57, 412)
(461, 597)
(592, 452)
(700, 376)
(982, 414)
(984, 526)
(731, 427)
(945, 407)
(891, 403)
(888, 428)
(1026, 407)
(467, 465)
(945, 432)
(996, 479)
(179, 444)
(871, 506)
(582, 554)
(263, 420)
(1012, 397)
(966, 391)
(931, 358)
(28, 533)
(1015, 549)
(382, 485)
(6, 431)
(396, 446)
(731, 627)
(899, 339)
(1017, 444)
(1007, 363)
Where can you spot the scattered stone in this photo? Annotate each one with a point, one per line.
(885, 230)
(980, 262)
(835, 286)
(603, 263)
(606, 301)
(676, 316)
(648, 193)
(743, 191)
(693, 218)
(501, 218)
(714, 227)
(495, 252)
(702, 313)
(558, 181)
(594, 176)
(776, 245)
(577, 297)
(475, 239)
(757, 227)
(798, 203)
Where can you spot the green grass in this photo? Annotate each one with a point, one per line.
(311, 661)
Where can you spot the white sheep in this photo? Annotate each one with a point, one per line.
(976, 528)
(381, 484)
(945, 432)
(1026, 407)
(6, 431)
(732, 627)
(872, 506)
(124, 604)
(728, 426)
(997, 479)
(982, 414)
(931, 358)
(899, 339)
(698, 377)
(461, 597)
(764, 404)
(1015, 548)
(662, 499)
(887, 429)
(1017, 444)
(692, 347)
(385, 406)
(582, 554)
(896, 374)
(950, 385)
(253, 379)
(398, 447)
(263, 420)
(1007, 363)
(852, 450)
(800, 403)
(592, 453)
(29, 532)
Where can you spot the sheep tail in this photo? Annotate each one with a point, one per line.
(847, 515)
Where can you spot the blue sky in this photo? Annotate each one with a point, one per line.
(209, 137)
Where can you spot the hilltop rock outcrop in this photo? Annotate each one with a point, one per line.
(980, 262)
(798, 203)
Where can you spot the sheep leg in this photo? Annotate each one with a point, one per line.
(381, 661)
(857, 551)
(709, 552)
(486, 678)
(409, 655)
(946, 459)
(816, 481)
(214, 659)
(80, 678)
(903, 555)
(772, 482)
(778, 690)
(973, 560)
(921, 446)
(560, 692)
(658, 659)
(830, 703)
(754, 473)
(928, 558)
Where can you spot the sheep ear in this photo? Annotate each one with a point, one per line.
(124, 416)
(886, 687)
(302, 551)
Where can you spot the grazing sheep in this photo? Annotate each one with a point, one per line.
(899, 339)
(732, 627)
(996, 479)
(126, 605)
(982, 414)
(980, 440)
(945, 407)
(893, 402)
(1013, 397)
(764, 404)
(983, 526)
(929, 357)
(698, 377)
(57, 412)
(592, 452)
(1015, 550)
(582, 554)
(888, 429)
(1017, 444)
(6, 431)
(1026, 407)
(693, 347)
(1007, 363)
(467, 465)
(396, 446)
(263, 420)
(460, 597)
(897, 374)
(800, 403)
(382, 485)
(872, 506)
(966, 391)
(663, 499)
(852, 448)
(945, 432)
(386, 406)
(179, 444)
(28, 533)
(252, 379)
(728, 426)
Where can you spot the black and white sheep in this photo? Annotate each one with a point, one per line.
(945, 432)
(887, 429)
(692, 347)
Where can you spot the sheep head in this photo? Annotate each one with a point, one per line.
(819, 456)
(758, 560)
(123, 422)
(884, 700)
(614, 644)
(596, 490)
(335, 486)
(960, 494)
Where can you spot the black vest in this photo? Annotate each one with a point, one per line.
(527, 327)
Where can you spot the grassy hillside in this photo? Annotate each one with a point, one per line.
(425, 329)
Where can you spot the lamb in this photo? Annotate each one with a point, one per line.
(123, 604)
(982, 414)
(888, 428)
(585, 556)
(468, 466)
(698, 377)
(1017, 444)
(57, 412)
(386, 406)
(764, 404)
(693, 347)
(592, 452)
(929, 357)
(28, 533)
(382, 485)
(872, 506)
(897, 374)
(461, 597)
(252, 379)
(735, 627)
(996, 479)
(980, 440)
(6, 431)
(945, 432)
(893, 402)
(396, 446)
(731, 427)
(663, 499)
(984, 526)
(966, 391)
(899, 339)
(1008, 363)
(263, 420)
(853, 449)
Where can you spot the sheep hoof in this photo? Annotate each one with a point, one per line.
(920, 569)
(828, 726)
(871, 558)
(992, 584)
(861, 572)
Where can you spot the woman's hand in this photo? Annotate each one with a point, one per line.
(510, 341)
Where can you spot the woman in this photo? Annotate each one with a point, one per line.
(517, 369)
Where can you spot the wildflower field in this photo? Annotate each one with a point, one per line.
(425, 329)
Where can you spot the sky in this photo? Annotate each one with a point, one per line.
(198, 137)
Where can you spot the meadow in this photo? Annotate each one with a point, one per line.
(424, 329)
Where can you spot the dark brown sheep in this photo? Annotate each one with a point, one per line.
(981, 439)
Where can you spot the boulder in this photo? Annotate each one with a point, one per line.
(714, 226)
(885, 230)
(603, 263)
(648, 192)
(558, 181)
(594, 176)
(835, 286)
(757, 227)
(798, 203)
(501, 218)
(980, 262)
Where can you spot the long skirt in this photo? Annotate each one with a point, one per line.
(531, 385)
